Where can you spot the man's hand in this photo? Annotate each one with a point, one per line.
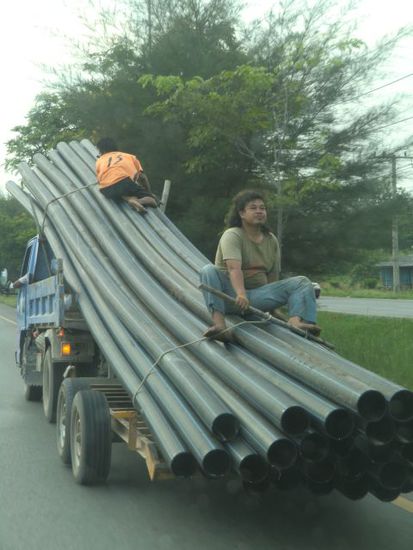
(242, 302)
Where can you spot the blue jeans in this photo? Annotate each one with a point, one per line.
(296, 292)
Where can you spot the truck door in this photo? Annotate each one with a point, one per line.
(28, 267)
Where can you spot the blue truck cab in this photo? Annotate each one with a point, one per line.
(52, 334)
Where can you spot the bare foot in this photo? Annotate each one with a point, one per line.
(297, 322)
(216, 332)
(149, 201)
(137, 205)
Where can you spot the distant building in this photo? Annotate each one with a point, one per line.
(405, 270)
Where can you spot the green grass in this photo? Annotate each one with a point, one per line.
(366, 293)
(8, 300)
(382, 345)
(343, 286)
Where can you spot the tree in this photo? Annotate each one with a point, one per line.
(217, 111)
(16, 228)
(287, 111)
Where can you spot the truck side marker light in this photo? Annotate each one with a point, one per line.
(66, 349)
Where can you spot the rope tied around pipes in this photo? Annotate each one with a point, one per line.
(62, 197)
(181, 346)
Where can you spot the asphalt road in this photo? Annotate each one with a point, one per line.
(41, 507)
(381, 307)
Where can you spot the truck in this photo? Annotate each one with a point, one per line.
(58, 357)
(110, 322)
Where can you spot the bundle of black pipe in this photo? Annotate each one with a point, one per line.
(282, 409)
(354, 394)
(276, 381)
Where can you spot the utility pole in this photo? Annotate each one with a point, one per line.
(395, 231)
(395, 222)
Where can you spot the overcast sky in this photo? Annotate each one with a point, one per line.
(33, 33)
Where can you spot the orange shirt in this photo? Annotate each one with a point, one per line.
(116, 166)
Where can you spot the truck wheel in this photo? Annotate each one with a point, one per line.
(90, 437)
(32, 393)
(67, 392)
(52, 378)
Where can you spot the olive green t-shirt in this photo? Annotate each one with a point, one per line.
(258, 260)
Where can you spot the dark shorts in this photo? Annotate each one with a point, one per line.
(125, 188)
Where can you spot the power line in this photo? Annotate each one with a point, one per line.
(384, 85)
(391, 124)
(378, 88)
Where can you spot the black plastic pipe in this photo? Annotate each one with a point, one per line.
(354, 489)
(260, 434)
(369, 404)
(390, 475)
(179, 460)
(283, 410)
(319, 472)
(404, 431)
(313, 446)
(380, 432)
(210, 409)
(212, 457)
(400, 399)
(334, 421)
(251, 466)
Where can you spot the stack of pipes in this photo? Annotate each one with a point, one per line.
(273, 407)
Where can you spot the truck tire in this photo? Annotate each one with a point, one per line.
(67, 392)
(52, 378)
(90, 437)
(32, 393)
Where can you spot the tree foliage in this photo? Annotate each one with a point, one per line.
(216, 108)
(16, 228)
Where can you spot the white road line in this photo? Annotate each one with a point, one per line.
(8, 320)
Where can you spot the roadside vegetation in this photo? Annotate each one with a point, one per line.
(8, 300)
(349, 286)
(382, 345)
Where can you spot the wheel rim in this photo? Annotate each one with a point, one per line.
(77, 439)
(61, 425)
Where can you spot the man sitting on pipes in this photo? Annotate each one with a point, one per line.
(120, 176)
(247, 268)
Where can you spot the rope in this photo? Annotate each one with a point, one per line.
(156, 363)
(62, 197)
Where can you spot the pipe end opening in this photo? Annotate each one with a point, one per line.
(295, 420)
(380, 432)
(216, 463)
(401, 406)
(372, 405)
(340, 424)
(314, 447)
(320, 472)
(393, 475)
(226, 427)
(254, 469)
(183, 465)
(282, 453)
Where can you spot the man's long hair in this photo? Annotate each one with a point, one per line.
(239, 202)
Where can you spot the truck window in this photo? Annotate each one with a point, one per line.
(44, 257)
(25, 265)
